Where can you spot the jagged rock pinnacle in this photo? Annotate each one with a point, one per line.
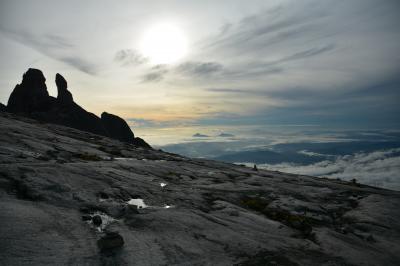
(64, 96)
(32, 99)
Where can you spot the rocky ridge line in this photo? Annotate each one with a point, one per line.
(31, 98)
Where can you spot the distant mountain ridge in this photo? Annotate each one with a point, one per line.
(31, 98)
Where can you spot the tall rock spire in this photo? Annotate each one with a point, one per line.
(64, 96)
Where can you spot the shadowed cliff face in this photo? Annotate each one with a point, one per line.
(32, 99)
(69, 197)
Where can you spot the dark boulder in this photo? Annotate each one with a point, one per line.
(117, 128)
(141, 143)
(110, 241)
(2, 107)
(31, 95)
(64, 96)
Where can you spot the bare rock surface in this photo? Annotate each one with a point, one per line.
(158, 208)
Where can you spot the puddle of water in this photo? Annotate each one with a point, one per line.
(138, 202)
(124, 159)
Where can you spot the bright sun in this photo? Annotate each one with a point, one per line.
(163, 44)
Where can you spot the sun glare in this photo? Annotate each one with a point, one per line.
(164, 44)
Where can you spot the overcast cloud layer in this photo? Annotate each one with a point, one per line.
(249, 62)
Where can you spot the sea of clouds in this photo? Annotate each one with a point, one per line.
(378, 168)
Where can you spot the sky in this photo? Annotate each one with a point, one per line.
(234, 63)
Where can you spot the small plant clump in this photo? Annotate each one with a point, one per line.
(296, 221)
(255, 203)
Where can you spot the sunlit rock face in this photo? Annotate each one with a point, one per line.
(32, 99)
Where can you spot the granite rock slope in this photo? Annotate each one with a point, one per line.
(69, 197)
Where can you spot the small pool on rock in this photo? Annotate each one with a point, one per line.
(139, 203)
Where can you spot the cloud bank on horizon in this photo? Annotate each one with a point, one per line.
(379, 168)
(370, 157)
(248, 62)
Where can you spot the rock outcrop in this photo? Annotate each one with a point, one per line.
(117, 127)
(141, 142)
(64, 96)
(31, 95)
(31, 98)
(2, 107)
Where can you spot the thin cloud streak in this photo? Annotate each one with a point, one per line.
(53, 46)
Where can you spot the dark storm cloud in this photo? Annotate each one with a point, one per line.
(129, 57)
(53, 46)
(199, 68)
